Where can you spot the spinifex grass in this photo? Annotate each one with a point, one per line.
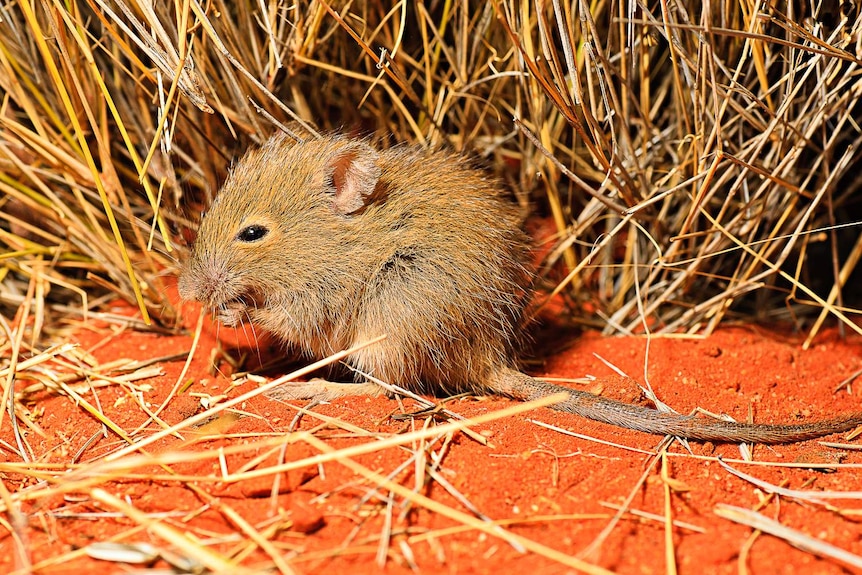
(696, 160)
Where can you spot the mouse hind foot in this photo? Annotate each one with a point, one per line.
(321, 390)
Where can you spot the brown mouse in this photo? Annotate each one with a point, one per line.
(330, 242)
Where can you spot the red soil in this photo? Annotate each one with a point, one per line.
(549, 487)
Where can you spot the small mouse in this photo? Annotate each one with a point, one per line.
(330, 242)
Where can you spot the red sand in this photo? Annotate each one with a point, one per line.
(528, 472)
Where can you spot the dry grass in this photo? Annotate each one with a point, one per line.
(699, 162)
(694, 163)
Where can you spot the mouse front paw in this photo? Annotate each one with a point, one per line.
(231, 313)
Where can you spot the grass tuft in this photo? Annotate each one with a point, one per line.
(698, 163)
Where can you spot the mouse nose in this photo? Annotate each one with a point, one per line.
(214, 284)
(201, 281)
(187, 287)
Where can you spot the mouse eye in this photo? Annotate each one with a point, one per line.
(252, 233)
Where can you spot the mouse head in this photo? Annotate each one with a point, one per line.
(278, 229)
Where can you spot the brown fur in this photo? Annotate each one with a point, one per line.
(413, 244)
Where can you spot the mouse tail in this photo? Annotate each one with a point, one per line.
(517, 385)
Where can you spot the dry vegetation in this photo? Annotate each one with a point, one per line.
(688, 158)
(697, 159)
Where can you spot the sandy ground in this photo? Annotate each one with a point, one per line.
(556, 491)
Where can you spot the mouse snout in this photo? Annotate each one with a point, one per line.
(194, 290)
(185, 288)
(206, 282)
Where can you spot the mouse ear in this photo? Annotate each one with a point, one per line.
(354, 176)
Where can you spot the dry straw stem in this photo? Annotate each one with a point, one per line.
(83, 477)
(796, 538)
(96, 478)
(697, 159)
(207, 558)
(462, 517)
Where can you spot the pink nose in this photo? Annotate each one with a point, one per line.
(202, 282)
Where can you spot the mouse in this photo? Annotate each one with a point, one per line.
(329, 242)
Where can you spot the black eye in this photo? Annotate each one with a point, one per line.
(252, 233)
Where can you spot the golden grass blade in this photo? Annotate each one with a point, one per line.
(669, 549)
(211, 560)
(796, 538)
(456, 515)
(59, 85)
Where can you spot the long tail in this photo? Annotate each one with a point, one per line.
(520, 386)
